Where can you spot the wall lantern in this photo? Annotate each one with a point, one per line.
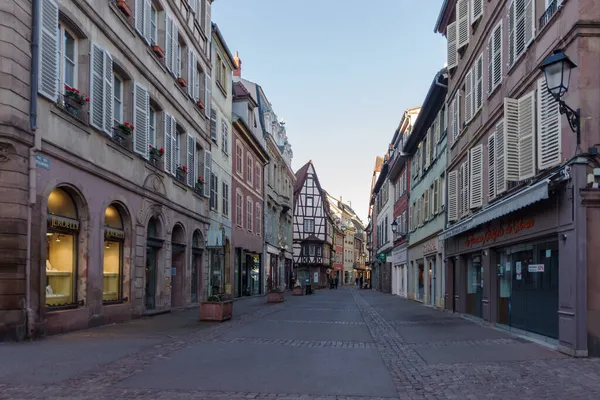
(394, 226)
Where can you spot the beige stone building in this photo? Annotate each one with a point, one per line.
(97, 225)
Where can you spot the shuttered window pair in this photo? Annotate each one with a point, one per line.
(474, 89)
(494, 50)
(521, 28)
(145, 22)
(172, 47)
(239, 211)
(454, 116)
(468, 12)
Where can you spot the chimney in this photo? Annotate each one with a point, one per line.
(238, 65)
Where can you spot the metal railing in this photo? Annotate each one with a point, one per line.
(553, 7)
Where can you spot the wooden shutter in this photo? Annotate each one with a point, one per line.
(527, 136)
(176, 54)
(451, 120)
(529, 21)
(48, 50)
(140, 17)
(478, 96)
(97, 87)
(169, 42)
(500, 161)
(207, 171)
(207, 26)
(462, 16)
(511, 33)
(511, 139)
(452, 196)
(190, 74)
(213, 124)
(141, 120)
(476, 10)
(497, 52)
(108, 93)
(476, 185)
(428, 148)
(426, 205)
(469, 96)
(191, 160)
(436, 199)
(490, 57)
(452, 57)
(168, 143)
(466, 188)
(207, 94)
(548, 129)
(147, 24)
(457, 115)
(175, 149)
(492, 166)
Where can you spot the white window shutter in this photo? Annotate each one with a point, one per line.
(175, 151)
(207, 94)
(527, 136)
(428, 149)
(97, 87)
(176, 54)
(169, 42)
(207, 171)
(476, 154)
(48, 50)
(108, 93)
(141, 115)
(490, 57)
(450, 109)
(511, 139)
(497, 44)
(469, 96)
(457, 117)
(452, 196)
(168, 143)
(191, 160)
(147, 21)
(548, 129)
(478, 96)
(511, 33)
(196, 79)
(452, 57)
(462, 16)
(207, 25)
(529, 21)
(500, 161)
(140, 17)
(476, 10)
(492, 166)
(190, 74)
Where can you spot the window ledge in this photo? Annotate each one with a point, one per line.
(181, 90)
(222, 89)
(177, 183)
(157, 60)
(122, 18)
(199, 196)
(154, 168)
(519, 59)
(494, 90)
(115, 146)
(61, 113)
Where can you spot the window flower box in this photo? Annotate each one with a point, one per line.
(181, 173)
(156, 155)
(158, 51)
(182, 82)
(124, 7)
(123, 131)
(199, 187)
(200, 104)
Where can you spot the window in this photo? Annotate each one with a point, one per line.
(213, 125)
(225, 196)
(101, 89)
(476, 176)
(172, 47)
(462, 18)
(309, 225)
(239, 160)
(257, 216)
(214, 192)
(239, 212)
(258, 173)
(224, 137)
(141, 120)
(221, 74)
(249, 168)
(114, 236)
(521, 28)
(152, 128)
(177, 147)
(68, 58)
(311, 250)
(309, 202)
(495, 58)
(249, 209)
(153, 25)
(118, 98)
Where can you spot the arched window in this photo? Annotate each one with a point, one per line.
(114, 237)
(61, 254)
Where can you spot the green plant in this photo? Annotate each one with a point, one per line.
(126, 128)
(215, 298)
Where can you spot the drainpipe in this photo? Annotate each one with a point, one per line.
(37, 142)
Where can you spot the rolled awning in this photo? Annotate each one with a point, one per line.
(532, 194)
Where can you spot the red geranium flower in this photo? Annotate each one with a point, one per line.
(87, 99)
(162, 151)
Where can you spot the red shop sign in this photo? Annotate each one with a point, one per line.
(493, 233)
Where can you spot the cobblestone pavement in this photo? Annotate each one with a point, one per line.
(344, 344)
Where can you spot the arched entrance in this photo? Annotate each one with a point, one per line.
(62, 237)
(177, 265)
(153, 246)
(114, 238)
(196, 273)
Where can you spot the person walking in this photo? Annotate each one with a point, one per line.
(361, 282)
(336, 282)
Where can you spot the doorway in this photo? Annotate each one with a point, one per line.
(177, 266)
(153, 246)
(420, 280)
(197, 252)
(475, 286)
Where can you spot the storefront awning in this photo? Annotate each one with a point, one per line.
(523, 198)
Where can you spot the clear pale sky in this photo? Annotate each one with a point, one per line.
(340, 73)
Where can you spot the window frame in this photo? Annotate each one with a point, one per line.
(117, 77)
(152, 127)
(239, 154)
(306, 230)
(62, 31)
(249, 214)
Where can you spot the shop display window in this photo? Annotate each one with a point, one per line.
(113, 255)
(61, 250)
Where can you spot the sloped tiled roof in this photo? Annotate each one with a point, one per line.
(300, 177)
(239, 90)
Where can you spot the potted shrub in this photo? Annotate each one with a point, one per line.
(275, 294)
(200, 104)
(182, 172)
(199, 187)
(156, 154)
(158, 51)
(123, 130)
(182, 82)
(74, 100)
(124, 7)
(216, 308)
(297, 290)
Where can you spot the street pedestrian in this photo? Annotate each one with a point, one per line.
(336, 282)
(361, 283)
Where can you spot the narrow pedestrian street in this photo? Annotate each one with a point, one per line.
(336, 344)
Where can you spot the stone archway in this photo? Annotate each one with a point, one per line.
(178, 251)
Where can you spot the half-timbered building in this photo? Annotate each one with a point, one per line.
(312, 230)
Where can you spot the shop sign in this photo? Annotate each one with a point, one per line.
(399, 256)
(381, 257)
(430, 247)
(535, 268)
(214, 238)
(114, 233)
(494, 233)
(63, 223)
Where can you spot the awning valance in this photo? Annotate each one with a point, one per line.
(532, 194)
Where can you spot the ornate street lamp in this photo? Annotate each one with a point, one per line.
(557, 70)
(394, 226)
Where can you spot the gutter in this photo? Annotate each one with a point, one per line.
(436, 28)
(37, 145)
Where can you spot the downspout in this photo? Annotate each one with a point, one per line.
(37, 142)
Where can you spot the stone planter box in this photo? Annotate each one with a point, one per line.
(199, 189)
(181, 176)
(124, 7)
(155, 159)
(216, 311)
(275, 297)
(158, 51)
(297, 291)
